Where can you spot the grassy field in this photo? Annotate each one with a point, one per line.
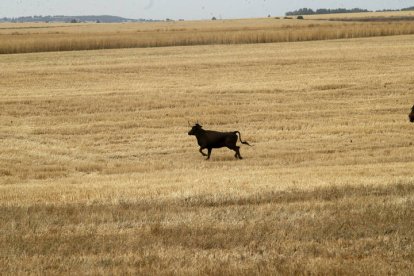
(42, 37)
(389, 14)
(98, 174)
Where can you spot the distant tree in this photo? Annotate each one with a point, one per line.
(303, 11)
(299, 17)
(340, 10)
(98, 21)
(74, 21)
(213, 18)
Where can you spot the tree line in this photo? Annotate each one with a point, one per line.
(307, 11)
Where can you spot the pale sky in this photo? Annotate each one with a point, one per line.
(185, 9)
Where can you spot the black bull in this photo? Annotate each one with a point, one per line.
(411, 115)
(209, 139)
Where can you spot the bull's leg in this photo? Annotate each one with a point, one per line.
(201, 151)
(237, 150)
(209, 153)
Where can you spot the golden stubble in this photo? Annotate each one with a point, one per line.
(98, 174)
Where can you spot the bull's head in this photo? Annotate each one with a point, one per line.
(411, 115)
(195, 129)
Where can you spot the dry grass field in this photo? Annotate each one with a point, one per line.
(41, 37)
(389, 14)
(99, 176)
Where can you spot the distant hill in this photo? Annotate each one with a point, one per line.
(74, 19)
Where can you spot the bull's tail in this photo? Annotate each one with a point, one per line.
(243, 142)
